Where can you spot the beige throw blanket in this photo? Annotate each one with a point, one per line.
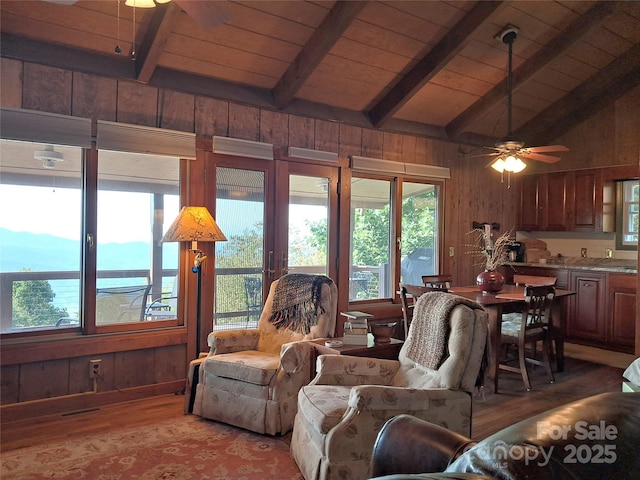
(429, 338)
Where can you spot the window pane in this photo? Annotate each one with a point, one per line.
(40, 229)
(138, 198)
(370, 275)
(239, 265)
(419, 232)
(308, 224)
(631, 209)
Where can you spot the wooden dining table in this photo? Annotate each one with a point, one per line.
(511, 298)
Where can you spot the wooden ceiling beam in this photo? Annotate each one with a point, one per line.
(46, 53)
(118, 67)
(160, 28)
(434, 61)
(599, 91)
(321, 42)
(527, 70)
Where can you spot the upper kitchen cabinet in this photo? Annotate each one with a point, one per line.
(588, 201)
(562, 201)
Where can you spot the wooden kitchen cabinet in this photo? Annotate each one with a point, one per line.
(621, 299)
(531, 203)
(558, 214)
(562, 201)
(588, 201)
(602, 313)
(587, 315)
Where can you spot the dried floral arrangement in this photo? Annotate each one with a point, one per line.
(491, 254)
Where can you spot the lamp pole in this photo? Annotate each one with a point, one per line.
(195, 224)
(197, 269)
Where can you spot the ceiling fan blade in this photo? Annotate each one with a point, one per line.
(482, 155)
(539, 157)
(207, 14)
(476, 155)
(471, 154)
(547, 148)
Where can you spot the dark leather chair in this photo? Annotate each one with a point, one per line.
(600, 440)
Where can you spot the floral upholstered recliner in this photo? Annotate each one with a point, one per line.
(251, 377)
(342, 410)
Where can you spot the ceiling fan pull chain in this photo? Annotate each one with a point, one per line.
(133, 40)
(118, 50)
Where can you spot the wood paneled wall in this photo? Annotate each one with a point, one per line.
(152, 363)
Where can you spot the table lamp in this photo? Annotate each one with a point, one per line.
(195, 224)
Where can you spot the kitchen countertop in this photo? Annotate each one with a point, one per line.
(613, 265)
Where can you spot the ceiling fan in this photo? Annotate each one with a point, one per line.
(510, 151)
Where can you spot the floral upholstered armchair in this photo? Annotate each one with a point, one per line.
(251, 377)
(342, 410)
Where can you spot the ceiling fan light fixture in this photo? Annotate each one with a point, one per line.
(514, 164)
(510, 164)
(140, 3)
(498, 165)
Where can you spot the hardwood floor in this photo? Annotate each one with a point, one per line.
(53, 428)
(492, 412)
(513, 403)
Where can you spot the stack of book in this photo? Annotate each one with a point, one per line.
(356, 328)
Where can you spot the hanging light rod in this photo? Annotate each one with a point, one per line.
(510, 162)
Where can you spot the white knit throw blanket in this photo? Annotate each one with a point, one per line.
(429, 330)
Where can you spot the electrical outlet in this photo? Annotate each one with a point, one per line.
(95, 368)
(583, 252)
(608, 253)
(452, 251)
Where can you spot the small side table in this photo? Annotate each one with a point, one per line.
(386, 351)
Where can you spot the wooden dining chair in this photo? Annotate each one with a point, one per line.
(535, 280)
(534, 325)
(437, 281)
(408, 296)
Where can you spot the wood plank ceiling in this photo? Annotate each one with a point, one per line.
(426, 67)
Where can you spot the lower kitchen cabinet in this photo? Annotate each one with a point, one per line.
(601, 313)
(621, 298)
(587, 315)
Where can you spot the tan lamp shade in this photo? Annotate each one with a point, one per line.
(194, 224)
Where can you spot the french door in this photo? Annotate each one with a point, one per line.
(279, 217)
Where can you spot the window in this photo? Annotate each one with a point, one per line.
(137, 201)
(628, 193)
(40, 232)
(419, 232)
(50, 202)
(374, 249)
(370, 273)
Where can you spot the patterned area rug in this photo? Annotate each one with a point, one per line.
(189, 448)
